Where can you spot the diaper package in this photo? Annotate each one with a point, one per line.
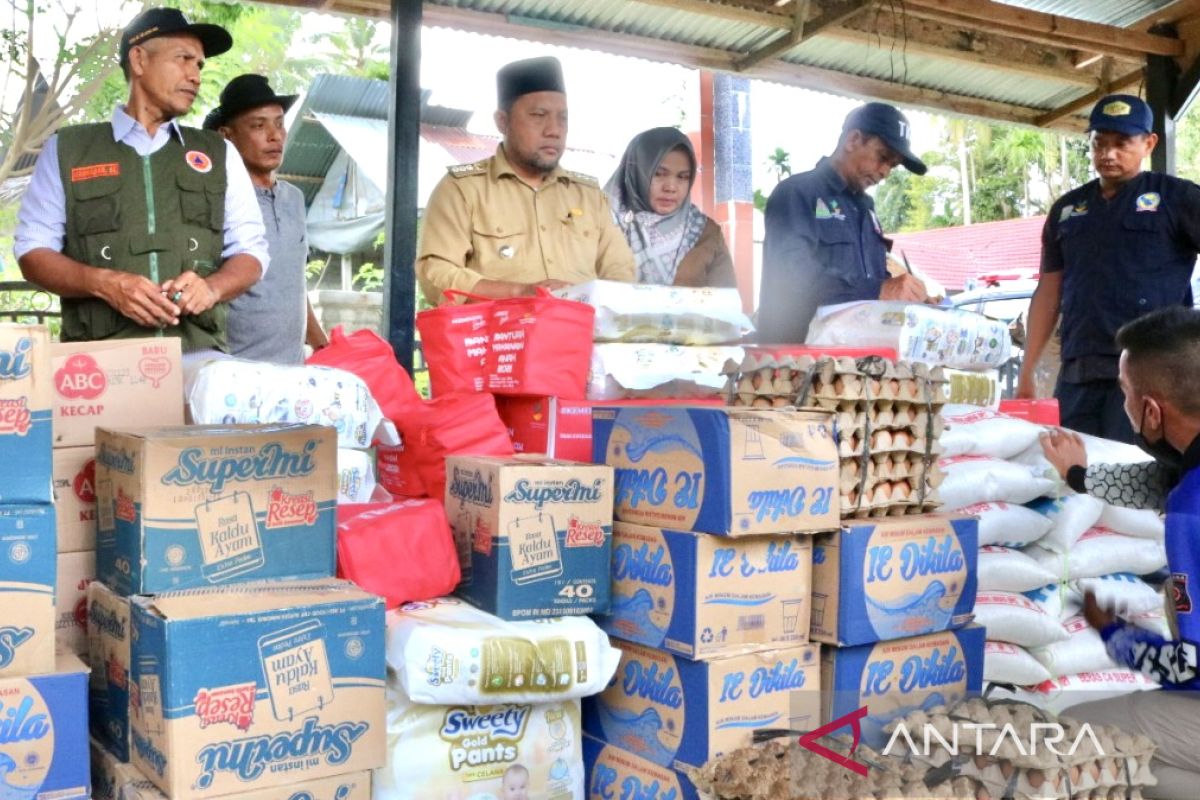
(356, 478)
(639, 312)
(487, 752)
(231, 391)
(26, 399)
(44, 749)
(447, 651)
(658, 370)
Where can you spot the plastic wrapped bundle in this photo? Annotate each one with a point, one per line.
(630, 312)
(659, 370)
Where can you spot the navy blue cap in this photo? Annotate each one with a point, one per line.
(886, 122)
(1122, 113)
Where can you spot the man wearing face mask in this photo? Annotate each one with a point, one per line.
(1159, 372)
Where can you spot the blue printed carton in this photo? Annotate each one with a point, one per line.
(537, 532)
(109, 638)
(893, 679)
(210, 505)
(246, 687)
(615, 773)
(673, 712)
(28, 575)
(700, 595)
(893, 578)
(43, 736)
(728, 471)
(26, 403)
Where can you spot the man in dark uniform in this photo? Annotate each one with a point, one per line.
(824, 245)
(1113, 250)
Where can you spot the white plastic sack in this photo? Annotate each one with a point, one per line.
(1006, 524)
(639, 312)
(451, 751)
(356, 478)
(940, 336)
(447, 651)
(235, 391)
(1099, 451)
(1082, 652)
(1071, 517)
(1057, 599)
(1143, 524)
(1102, 552)
(1123, 593)
(1003, 569)
(659, 370)
(972, 479)
(1070, 690)
(1155, 621)
(1008, 663)
(983, 432)
(1016, 619)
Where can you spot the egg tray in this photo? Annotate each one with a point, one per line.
(801, 380)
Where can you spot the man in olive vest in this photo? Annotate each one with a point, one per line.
(142, 226)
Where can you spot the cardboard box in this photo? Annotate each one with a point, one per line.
(246, 687)
(75, 572)
(672, 711)
(75, 498)
(45, 749)
(121, 383)
(113, 779)
(26, 397)
(28, 572)
(893, 578)
(729, 471)
(109, 637)
(538, 531)
(700, 595)
(613, 772)
(893, 679)
(210, 504)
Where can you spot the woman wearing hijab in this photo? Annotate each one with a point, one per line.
(674, 243)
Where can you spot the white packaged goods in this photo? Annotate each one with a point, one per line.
(445, 651)
(1007, 663)
(631, 312)
(1061, 693)
(1099, 451)
(971, 388)
(1082, 652)
(1132, 522)
(1102, 552)
(659, 370)
(1155, 621)
(1016, 619)
(1071, 517)
(1006, 524)
(948, 337)
(974, 479)
(1121, 592)
(228, 391)
(481, 752)
(1056, 599)
(356, 477)
(1003, 569)
(974, 431)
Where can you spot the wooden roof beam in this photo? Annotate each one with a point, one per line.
(1087, 100)
(802, 29)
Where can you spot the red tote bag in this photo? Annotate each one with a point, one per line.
(368, 355)
(540, 345)
(454, 424)
(454, 339)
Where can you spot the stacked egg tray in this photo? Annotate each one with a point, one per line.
(887, 422)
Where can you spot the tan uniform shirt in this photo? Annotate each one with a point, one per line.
(483, 221)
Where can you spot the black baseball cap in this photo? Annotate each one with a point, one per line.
(242, 94)
(155, 22)
(1122, 113)
(886, 122)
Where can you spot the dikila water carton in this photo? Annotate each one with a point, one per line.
(109, 635)
(672, 711)
(538, 533)
(28, 573)
(727, 471)
(207, 505)
(893, 679)
(246, 687)
(43, 734)
(700, 595)
(75, 498)
(615, 774)
(26, 397)
(892, 578)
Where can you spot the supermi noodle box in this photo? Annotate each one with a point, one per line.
(613, 772)
(258, 685)
(28, 573)
(726, 471)
(43, 733)
(108, 651)
(26, 396)
(208, 504)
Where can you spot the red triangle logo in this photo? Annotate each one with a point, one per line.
(809, 741)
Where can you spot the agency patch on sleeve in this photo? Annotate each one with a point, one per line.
(198, 161)
(109, 170)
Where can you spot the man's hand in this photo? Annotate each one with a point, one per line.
(904, 288)
(552, 285)
(1099, 618)
(1064, 449)
(138, 298)
(191, 293)
(1027, 382)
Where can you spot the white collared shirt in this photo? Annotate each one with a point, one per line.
(42, 221)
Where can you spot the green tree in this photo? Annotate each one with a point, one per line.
(357, 48)
(780, 164)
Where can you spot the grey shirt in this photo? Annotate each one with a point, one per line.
(268, 322)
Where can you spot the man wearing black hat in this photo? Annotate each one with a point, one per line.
(269, 322)
(1113, 250)
(823, 244)
(143, 226)
(507, 224)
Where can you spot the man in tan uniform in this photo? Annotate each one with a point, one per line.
(507, 224)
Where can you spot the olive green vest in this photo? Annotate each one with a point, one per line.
(158, 215)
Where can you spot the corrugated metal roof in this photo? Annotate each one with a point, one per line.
(1107, 12)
